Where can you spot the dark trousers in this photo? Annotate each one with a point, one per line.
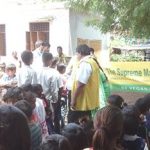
(57, 116)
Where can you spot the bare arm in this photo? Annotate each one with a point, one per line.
(78, 91)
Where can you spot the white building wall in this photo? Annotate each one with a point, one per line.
(65, 27)
(80, 30)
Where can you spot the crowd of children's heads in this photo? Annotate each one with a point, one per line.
(116, 126)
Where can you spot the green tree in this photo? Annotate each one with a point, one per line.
(127, 17)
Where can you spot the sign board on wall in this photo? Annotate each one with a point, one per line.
(129, 76)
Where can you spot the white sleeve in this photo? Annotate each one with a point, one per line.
(84, 72)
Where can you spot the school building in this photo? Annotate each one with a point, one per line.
(22, 25)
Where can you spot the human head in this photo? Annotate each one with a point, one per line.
(37, 89)
(14, 130)
(116, 100)
(75, 135)
(46, 46)
(130, 120)
(82, 50)
(61, 68)
(38, 43)
(59, 50)
(56, 142)
(26, 87)
(108, 123)
(143, 104)
(47, 59)
(13, 95)
(25, 107)
(11, 70)
(27, 57)
(30, 98)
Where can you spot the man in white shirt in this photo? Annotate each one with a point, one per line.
(37, 54)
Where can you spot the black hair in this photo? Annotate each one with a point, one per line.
(56, 142)
(26, 57)
(88, 128)
(13, 95)
(130, 119)
(14, 130)
(26, 87)
(83, 50)
(91, 50)
(59, 47)
(116, 100)
(75, 135)
(61, 67)
(25, 107)
(36, 87)
(143, 104)
(46, 44)
(131, 110)
(47, 57)
(30, 98)
(131, 124)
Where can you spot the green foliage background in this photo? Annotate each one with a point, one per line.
(124, 17)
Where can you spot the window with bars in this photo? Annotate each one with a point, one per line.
(37, 31)
(2, 40)
(40, 26)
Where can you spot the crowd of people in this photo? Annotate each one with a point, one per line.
(32, 97)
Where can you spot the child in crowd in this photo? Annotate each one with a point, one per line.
(50, 81)
(61, 69)
(56, 142)
(143, 104)
(35, 130)
(9, 78)
(26, 74)
(131, 141)
(116, 100)
(39, 114)
(76, 136)
(12, 95)
(37, 89)
(108, 124)
(14, 130)
(88, 128)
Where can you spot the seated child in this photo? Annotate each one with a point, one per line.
(56, 142)
(37, 89)
(116, 100)
(39, 114)
(143, 104)
(76, 136)
(108, 125)
(12, 95)
(35, 130)
(131, 141)
(9, 78)
(14, 130)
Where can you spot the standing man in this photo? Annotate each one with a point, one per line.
(85, 91)
(61, 56)
(41, 47)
